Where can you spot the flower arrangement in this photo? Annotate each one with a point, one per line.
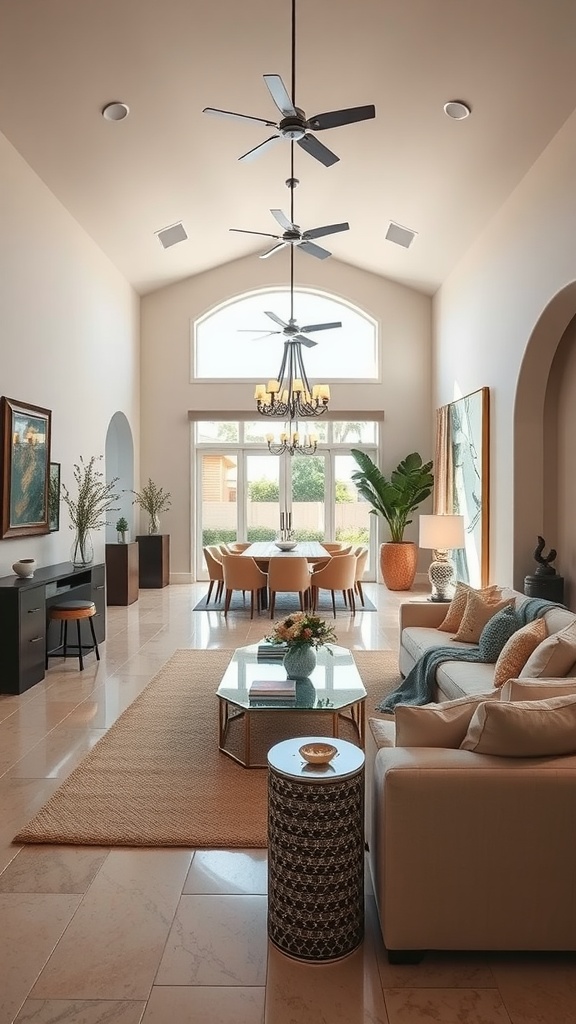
(302, 629)
(95, 496)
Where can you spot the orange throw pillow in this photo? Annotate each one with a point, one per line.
(517, 650)
(477, 614)
(457, 607)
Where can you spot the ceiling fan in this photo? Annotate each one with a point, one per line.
(294, 125)
(290, 330)
(293, 235)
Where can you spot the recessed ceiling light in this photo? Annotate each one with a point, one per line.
(457, 109)
(115, 111)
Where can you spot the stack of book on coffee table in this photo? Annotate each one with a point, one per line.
(273, 689)
(271, 652)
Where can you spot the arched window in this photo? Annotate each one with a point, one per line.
(238, 341)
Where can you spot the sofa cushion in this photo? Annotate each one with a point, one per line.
(538, 728)
(457, 606)
(554, 656)
(536, 689)
(461, 678)
(419, 639)
(383, 731)
(558, 618)
(496, 633)
(517, 650)
(437, 725)
(477, 613)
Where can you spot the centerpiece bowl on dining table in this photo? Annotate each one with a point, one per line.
(286, 545)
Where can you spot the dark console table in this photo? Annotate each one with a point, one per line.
(154, 560)
(24, 607)
(121, 573)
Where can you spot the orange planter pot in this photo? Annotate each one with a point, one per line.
(398, 564)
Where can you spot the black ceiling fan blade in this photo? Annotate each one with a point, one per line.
(320, 327)
(311, 145)
(264, 234)
(305, 341)
(258, 150)
(283, 220)
(237, 117)
(280, 95)
(335, 118)
(328, 229)
(314, 250)
(275, 248)
(275, 318)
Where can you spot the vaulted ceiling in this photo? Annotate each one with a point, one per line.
(511, 61)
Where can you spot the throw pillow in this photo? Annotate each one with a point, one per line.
(457, 606)
(497, 632)
(554, 656)
(476, 615)
(517, 650)
(530, 728)
(437, 725)
(537, 689)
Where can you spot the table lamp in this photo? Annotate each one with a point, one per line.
(442, 534)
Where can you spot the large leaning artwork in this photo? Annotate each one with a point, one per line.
(25, 462)
(468, 430)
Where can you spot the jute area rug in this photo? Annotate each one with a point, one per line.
(157, 777)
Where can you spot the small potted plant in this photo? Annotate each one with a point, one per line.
(122, 528)
(153, 500)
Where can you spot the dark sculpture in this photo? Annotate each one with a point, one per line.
(544, 567)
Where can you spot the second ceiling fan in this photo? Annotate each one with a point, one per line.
(294, 125)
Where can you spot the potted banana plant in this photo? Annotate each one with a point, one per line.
(395, 499)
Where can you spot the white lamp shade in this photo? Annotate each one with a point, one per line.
(442, 533)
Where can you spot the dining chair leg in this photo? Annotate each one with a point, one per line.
(272, 603)
(227, 602)
(360, 592)
(334, 603)
(212, 582)
(345, 597)
(251, 604)
(314, 597)
(301, 598)
(219, 590)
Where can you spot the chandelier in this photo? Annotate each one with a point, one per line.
(293, 442)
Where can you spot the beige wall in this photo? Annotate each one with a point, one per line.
(167, 394)
(498, 320)
(69, 338)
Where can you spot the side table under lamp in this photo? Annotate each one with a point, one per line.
(441, 533)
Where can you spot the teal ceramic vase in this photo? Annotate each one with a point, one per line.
(299, 661)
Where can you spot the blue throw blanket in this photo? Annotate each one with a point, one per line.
(418, 686)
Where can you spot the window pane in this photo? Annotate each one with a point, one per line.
(354, 432)
(207, 432)
(240, 342)
(308, 496)
(219, 476)
(352, 516)
(263, 485)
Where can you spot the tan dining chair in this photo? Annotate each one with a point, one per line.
(346, 549)
(289, 576)
(331, 546)
(361, 553)
(213, 560)
(339, 574)
(242, 573)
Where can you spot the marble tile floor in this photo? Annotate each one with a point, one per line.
(146, 936)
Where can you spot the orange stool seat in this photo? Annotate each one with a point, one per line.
(73, 611)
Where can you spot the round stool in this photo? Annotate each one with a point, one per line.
(73, 611)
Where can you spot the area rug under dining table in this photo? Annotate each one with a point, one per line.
(157, 777)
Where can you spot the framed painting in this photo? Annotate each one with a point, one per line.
(469, 441)
(54, 497)
(25, 468)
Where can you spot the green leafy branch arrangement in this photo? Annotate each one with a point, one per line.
(95, 496)
(152, 499)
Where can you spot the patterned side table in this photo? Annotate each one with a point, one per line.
(315, 851)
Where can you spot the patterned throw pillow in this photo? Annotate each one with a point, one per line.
(458, 604)
(517, 650)
(497, 632)
(477, 614)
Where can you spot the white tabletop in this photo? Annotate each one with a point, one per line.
(285, 758)
(310, 549)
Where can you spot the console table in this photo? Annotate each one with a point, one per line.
(24, 607)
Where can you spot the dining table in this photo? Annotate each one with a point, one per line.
(264, 550)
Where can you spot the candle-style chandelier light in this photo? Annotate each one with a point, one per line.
(293, 442)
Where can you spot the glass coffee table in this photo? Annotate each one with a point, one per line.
(334, 690)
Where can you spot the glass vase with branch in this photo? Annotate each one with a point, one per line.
(153, 500)
(95, 498)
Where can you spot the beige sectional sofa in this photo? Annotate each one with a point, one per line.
(467, 850)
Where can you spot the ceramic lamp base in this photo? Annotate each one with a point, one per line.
(442, 577)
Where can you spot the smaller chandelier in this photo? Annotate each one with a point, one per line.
(293, 442)
(290, 395)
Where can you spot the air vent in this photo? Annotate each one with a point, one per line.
(401, 236)
(172, 235)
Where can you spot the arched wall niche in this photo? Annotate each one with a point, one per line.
(120, 463)
(544, 426)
